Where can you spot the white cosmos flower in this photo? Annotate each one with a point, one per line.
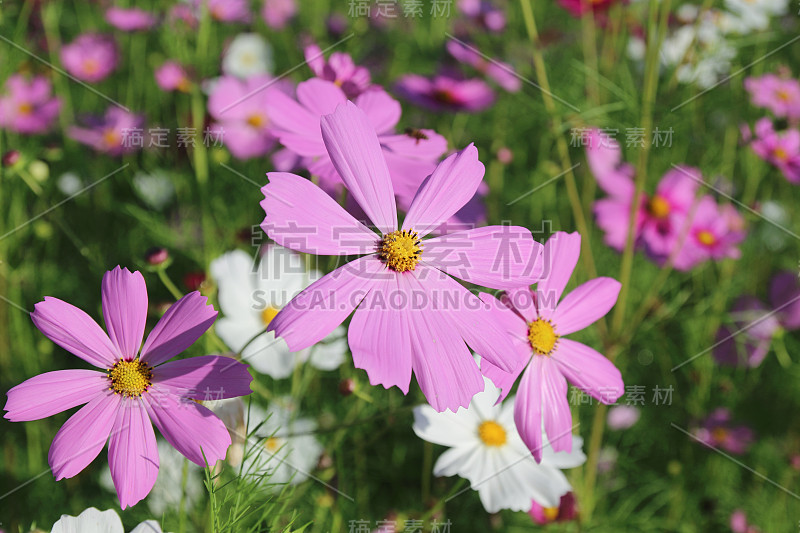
(754, 15)
(251, 297)
(94, 521)
(287, 451)
(486, 449)
(154, 189)
(247, 55)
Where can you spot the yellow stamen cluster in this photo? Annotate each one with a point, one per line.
(256, 120)
(550, 513)
(25, 108)
(268, 314)
(272, 444)
(658, 207)
(542, 336)
(130, 378)
(706, 237)
(492, 433)
(400, 250)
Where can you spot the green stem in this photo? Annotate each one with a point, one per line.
(171, 287)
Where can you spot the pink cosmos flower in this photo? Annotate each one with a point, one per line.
(718, 431)
(132, 19)
(578, 7)
(566, 511)
(411, 314)
(28, 105)
(90, 57)
(339, 69)
(411, 156)
(780, 95)
(133, 388)
(445, 93)
(241, 109)
(622, 417)
(171, 76)
(278, 13)
(536, 323)
(784, 295)
(714, 234)
(112, 134)
(781, 149)
(484, 14)
(739, 523)
(747, 342)
(225, 10)
(502, 73)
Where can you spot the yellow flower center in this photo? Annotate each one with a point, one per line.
(780, 154)
(783, 94)
(130, 378)
(706, 237)
(111, 138)
(25, 108)
(719, 434)
(492, 433)
(658, 207)
(91, 66)
(184, 85)
(256, 120)
(268, 314)
(550, 513)
(400, 250)
(542, 336)
(272, 444)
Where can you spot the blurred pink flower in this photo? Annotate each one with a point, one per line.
(134, 388)
(781, 149)
(784, 295)
(483, 14)
(717, 431)
(747, 341)
(28, 105)
(505, 155)
(90, 57)
(566, 511)
(536, 323)
(339, 69)
(579, 7)
(715, 233)
(410, 156)
(445, 93)
(278, 13)
(779, 95)
(739, 523)
(171, 76)
(224, 10)
(132, 19)
(623, 416)
(502, 73)
(183, 13)
(240, 108)
(110, 134)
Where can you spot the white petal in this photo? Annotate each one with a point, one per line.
(89, 521)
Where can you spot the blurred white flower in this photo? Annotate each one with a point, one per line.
(772, 235)
(486, 449)
(622, 416)
(284, 449)
(247, 55)
(94, 521)
(754, 15)
(251, 297)
(154, 189)
(69, 183)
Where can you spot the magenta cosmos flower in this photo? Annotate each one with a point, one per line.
(132, 19)
(718, 431)
(112, 134)
(566, 511)
(578, 7)
(411, 314)
(225, 10)
(90, 57)
(714, 233)
(410, 157)
(339, 69)
(780, 149)
(780, 95)
(747, 342)
(133, 388)
(484, 14)
(445, 93)
(171, 76)
(28, 105)
(278, 13)
(535, 322)
(502, 73)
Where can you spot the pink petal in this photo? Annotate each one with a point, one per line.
(522, 301)
(132, 453)
(184, 322)
(444, 192)
(528, 408)
(379, 337)
(301, 216)
(382, 110)
(588, 370)
(321, 97)
(75, 331)
(555, 407)
(322, 306)
(189, 427)
(301, 144)
(498, 257)
(559, 258)
(285, 113)
(356, 153)
(516, 328)
(585, 305)
(442, 363)
(125, 310)
(204, 377)
(82, 437)
(52, 392)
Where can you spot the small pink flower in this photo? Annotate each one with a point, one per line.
(715, 233)
(133, 388)
(112, 134)
(780, 95)
(483, 14)
(502, 73)
(566, 511)
(717, 431)
(278, 13)
(171, 76)
(445, 93)
(784, 295)
(339, 69)
(225, 10)
(536, 324)
(739, 523)
(578, 7)
(781, 149)
(411, 315)
(28, 105)
(747, 341)
(90, 57)
(623, 416)
(183, 13)
(132, 19)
